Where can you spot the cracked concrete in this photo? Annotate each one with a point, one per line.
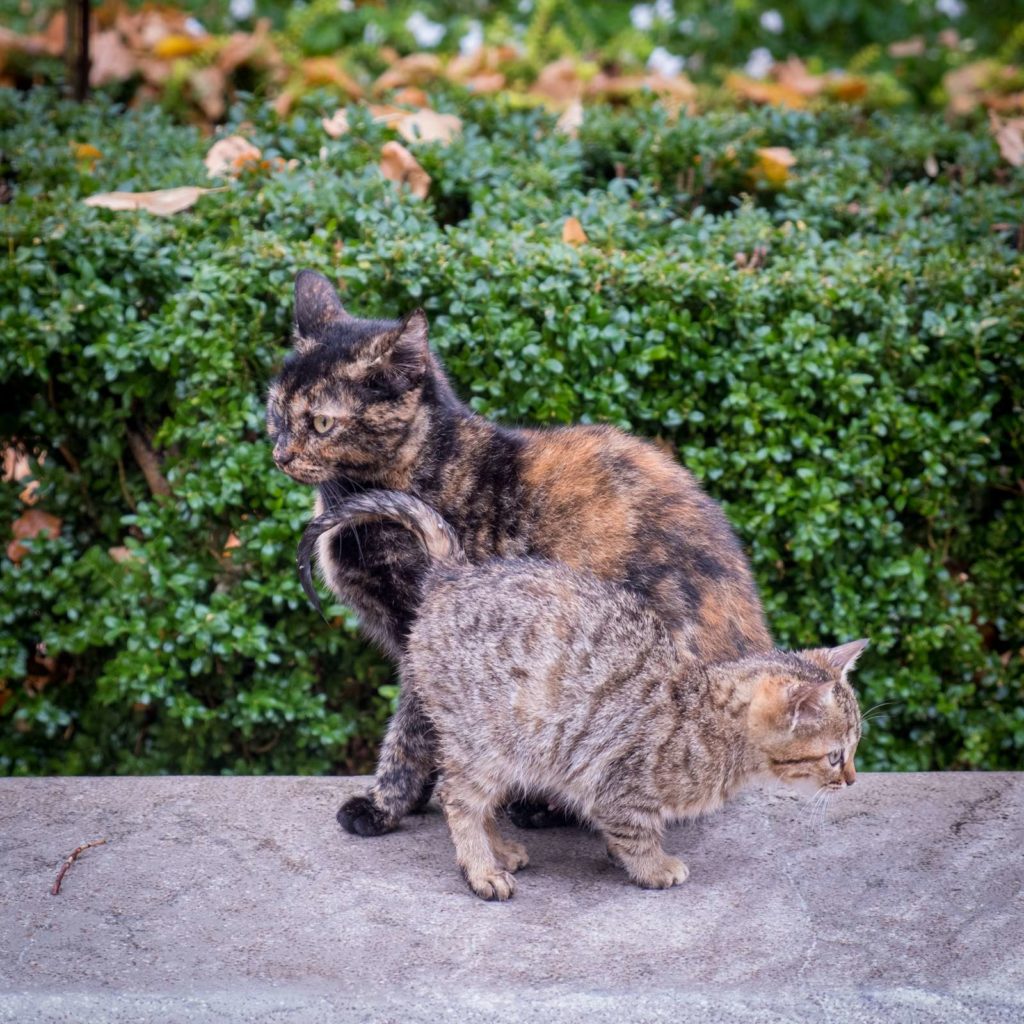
(240, 900)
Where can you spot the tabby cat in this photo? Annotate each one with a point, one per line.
(538, 678)
(365, 403)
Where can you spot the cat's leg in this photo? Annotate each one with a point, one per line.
(469, 812)
(634, 841)
(405, 773)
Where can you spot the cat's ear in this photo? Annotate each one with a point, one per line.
(317, 306)
(806, 703)
(841, 658)
(398, 359)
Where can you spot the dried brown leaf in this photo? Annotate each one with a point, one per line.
(571, 120)
(912, 47)
(773, 164)
(28, 525)
(327, 71)
(229, 156)
(1010, 138)
(773, 93)
(399, 165)
(112, 61)
(429, 126)
(559, 82)
(163, 203)
(415, 69)
(209, 88)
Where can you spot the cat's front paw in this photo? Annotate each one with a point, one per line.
(492, 885)
(511, 855)
(667, 872)
(360, 816)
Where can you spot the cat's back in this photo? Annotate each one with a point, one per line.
(530, 626)
(624, 509)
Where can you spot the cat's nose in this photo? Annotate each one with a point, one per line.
(282, 458)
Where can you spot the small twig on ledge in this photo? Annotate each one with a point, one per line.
(149, 464)
(75, 854)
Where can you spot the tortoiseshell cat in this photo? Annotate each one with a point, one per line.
(365, 403)
(538, 678)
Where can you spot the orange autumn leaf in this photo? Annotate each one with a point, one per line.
(230, 544)
(229, 156)
(571, 120)
(327, 71)
(486, 82)
(559, 82)
(110, 59)
(771, 93)
(399, 165)
(573, 233)
(173, 46)
(412, 96)
(163, 203)
(28, 525)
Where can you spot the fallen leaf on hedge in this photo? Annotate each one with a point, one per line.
(793, 74)
(416, 69)
(230, 544)
(966, 85)
(327, 71)
(412, 96)
(209, 86)
(559, 82)
(229, 156)
(337, 124)
(774, 162)
(486, 82)
(111, 60)
(163, 203)
(122, 554)
(773, 93)
(174, 46)
(429, 126)
(399, 165)
(86, 153)
(483, 62)
(28, 525)
(571, 120)
(848, 88)
(572, 232)
(912, 47)
(1010, 138)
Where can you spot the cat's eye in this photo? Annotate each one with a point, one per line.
(321, 424)
(835, 758)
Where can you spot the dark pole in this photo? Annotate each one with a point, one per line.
(78, 16)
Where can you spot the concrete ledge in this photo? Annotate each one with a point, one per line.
(229, 899)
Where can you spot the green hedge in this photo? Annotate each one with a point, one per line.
(855, 400)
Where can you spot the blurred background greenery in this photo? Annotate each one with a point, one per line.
(783, 239)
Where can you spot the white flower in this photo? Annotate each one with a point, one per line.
(524, 6)
(194, 27)
(687, 26)
(373, 33)
(472, 40)
(346, 6)
(951, 8)
(642, 17)
(665, 10)
(242, 10)
(661, 62)
(771, 21)
(427, 33)
(759, 63)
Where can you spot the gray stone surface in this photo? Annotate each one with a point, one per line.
(240, 900)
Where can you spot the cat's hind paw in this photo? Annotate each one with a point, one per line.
(511, 855)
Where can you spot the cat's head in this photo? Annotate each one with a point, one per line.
(804, 718)
(348, 399)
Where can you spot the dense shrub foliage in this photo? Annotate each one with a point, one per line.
(839, 360)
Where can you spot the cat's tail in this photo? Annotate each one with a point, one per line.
(434, 535)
